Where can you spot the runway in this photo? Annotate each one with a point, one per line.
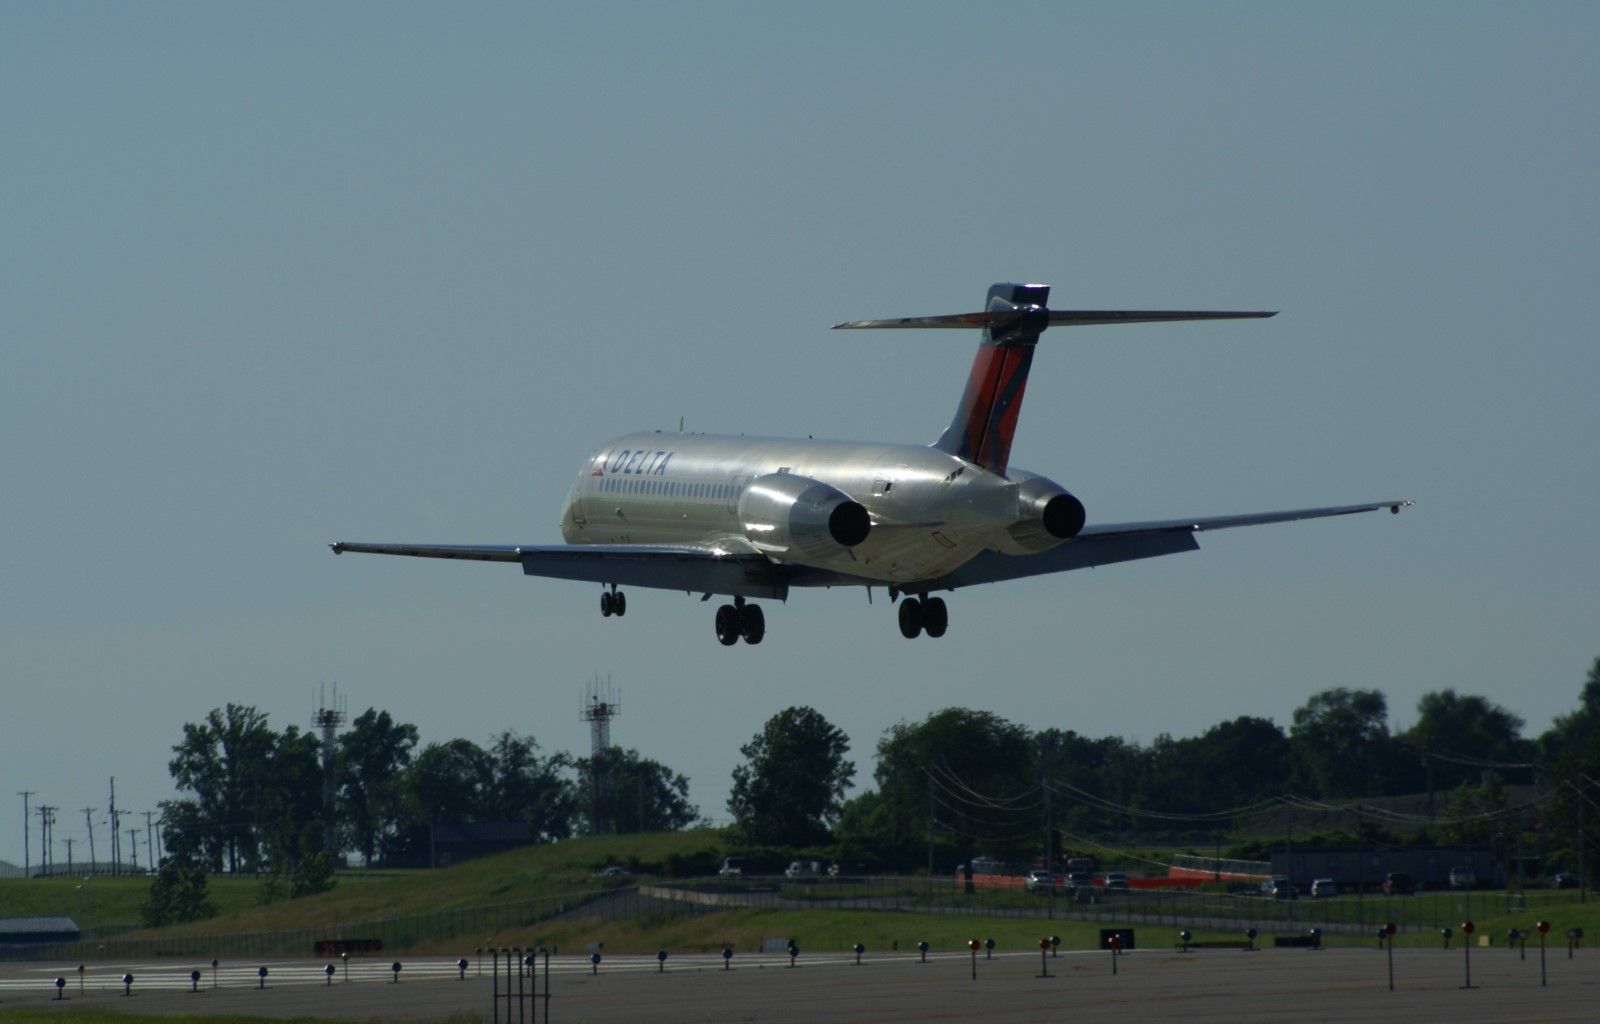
(1201, 986)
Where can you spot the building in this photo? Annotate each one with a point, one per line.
(1365, 866)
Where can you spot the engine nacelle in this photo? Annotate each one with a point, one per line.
(1046, 516)
(796, 517)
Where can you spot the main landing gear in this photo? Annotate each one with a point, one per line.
(925, 615)
(613, 602)
(740, 620)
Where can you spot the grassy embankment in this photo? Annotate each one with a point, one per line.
(568, 867)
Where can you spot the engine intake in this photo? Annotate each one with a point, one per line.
(796, 517)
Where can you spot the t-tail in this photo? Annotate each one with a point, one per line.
(1012, 321)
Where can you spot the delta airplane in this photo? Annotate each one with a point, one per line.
(750, 518)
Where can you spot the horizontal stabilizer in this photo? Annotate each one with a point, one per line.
(1061, 317)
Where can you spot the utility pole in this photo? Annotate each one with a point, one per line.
(1288, 857)
(1049, 849)
(88, 821)
(1583, 886)
(149, 837)
(69, 855)
(133, 844)
(26, 866)
(116, 852)
(44, 838)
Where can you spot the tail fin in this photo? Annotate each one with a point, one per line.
(986, 419)
(1012, 321)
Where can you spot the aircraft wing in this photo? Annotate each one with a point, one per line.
(1106, 543)
(689, 568)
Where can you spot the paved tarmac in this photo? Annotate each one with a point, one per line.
(1202, 986)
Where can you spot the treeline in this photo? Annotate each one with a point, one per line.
(255, 794)
(960, 783)
(964, 782)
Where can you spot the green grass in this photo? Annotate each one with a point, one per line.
(529, 873)
(105, 900)
(445, 909)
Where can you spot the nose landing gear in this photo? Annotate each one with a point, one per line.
(926, 615)
(613, 602)
(740, 620)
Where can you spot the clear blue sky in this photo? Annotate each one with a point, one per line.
(273, 275)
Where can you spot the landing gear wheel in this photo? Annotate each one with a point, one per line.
(727, 625)
(605, 603)
(910, 617)
(752, 623)
(619, 604)
(935, 616)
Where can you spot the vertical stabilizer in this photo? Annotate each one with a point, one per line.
(986, 419)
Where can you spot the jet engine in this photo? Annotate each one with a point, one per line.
(795, 517)
(1046, 516)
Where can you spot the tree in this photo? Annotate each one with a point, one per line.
(449, 782)
(1241, 761)
(288, 809)
(528, 788)
(1572, 732)
(1476, 812)
(791, 788)
(241, 774)
(1451, 726)
(1341, 740)
(966, 780)
(641, 795)
(373, 755)
(178, 893)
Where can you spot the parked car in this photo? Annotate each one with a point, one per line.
(612, 872)
(1398, 883)
(803, 869)
(1324, 887)
(1463, 878)
(1280, 888)
(1116, 880)
(1564, 880)
(733, 867)
(1080, 879)
(1038, 880)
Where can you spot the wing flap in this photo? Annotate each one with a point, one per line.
(690, 568)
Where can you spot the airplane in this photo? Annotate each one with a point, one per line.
(750, 518)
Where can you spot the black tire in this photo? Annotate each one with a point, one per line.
(727, 625)
(910, 617)
(619, 604)
(935, 617)
(605, 603)
(752, 623)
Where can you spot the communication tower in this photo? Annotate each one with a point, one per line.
(328, 718)
(600, 705)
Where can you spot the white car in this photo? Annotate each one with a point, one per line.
(1324, 887)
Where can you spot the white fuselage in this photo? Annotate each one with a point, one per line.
(930, 511)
